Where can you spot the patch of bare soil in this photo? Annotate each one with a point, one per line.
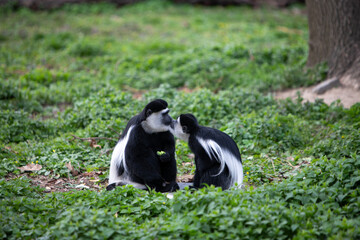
(185, 178)
(347, 96)
(87, 180)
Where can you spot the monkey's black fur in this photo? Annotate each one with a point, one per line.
(221, 149)
(142, 164)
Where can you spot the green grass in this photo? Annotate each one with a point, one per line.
(74, 71)
(80, 49)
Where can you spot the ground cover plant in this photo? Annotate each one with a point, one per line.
(82, 71)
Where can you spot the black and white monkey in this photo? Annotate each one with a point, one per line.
(217, 157)
(136, 159)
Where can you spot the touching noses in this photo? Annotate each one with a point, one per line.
(168, 120)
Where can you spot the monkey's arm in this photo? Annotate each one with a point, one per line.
(167, 146)
(163, 156)
(144, 167)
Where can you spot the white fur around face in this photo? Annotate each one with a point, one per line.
(154, 123)
(179, 133)
(225, 157)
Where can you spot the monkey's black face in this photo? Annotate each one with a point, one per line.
(158, 121)
(166, 119)
(185, 125)
(180, 131)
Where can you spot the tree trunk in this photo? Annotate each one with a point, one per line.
(334, 37)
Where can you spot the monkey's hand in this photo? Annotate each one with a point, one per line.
(114, 185)
(111, 187)
(170, 187)
(163, 156)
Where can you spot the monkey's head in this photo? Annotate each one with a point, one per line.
(155, 117)
(185, 125)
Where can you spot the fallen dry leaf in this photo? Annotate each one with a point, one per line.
(58, 181)
(71, 168)
(93, 144)
(95, 180)
(290, 158)
(187, 164)
(10, 149)
(186, 178)
(30, 167)
(82, 186)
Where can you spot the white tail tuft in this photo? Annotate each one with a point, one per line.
(118, 158)
(224, 157)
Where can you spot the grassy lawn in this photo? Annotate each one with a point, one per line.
(83, 70)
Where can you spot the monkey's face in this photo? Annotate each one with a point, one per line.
(157, 121)
(181, 131)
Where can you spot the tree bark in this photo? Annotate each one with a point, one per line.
(334, 37)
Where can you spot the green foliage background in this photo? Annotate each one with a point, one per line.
(75, 71)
